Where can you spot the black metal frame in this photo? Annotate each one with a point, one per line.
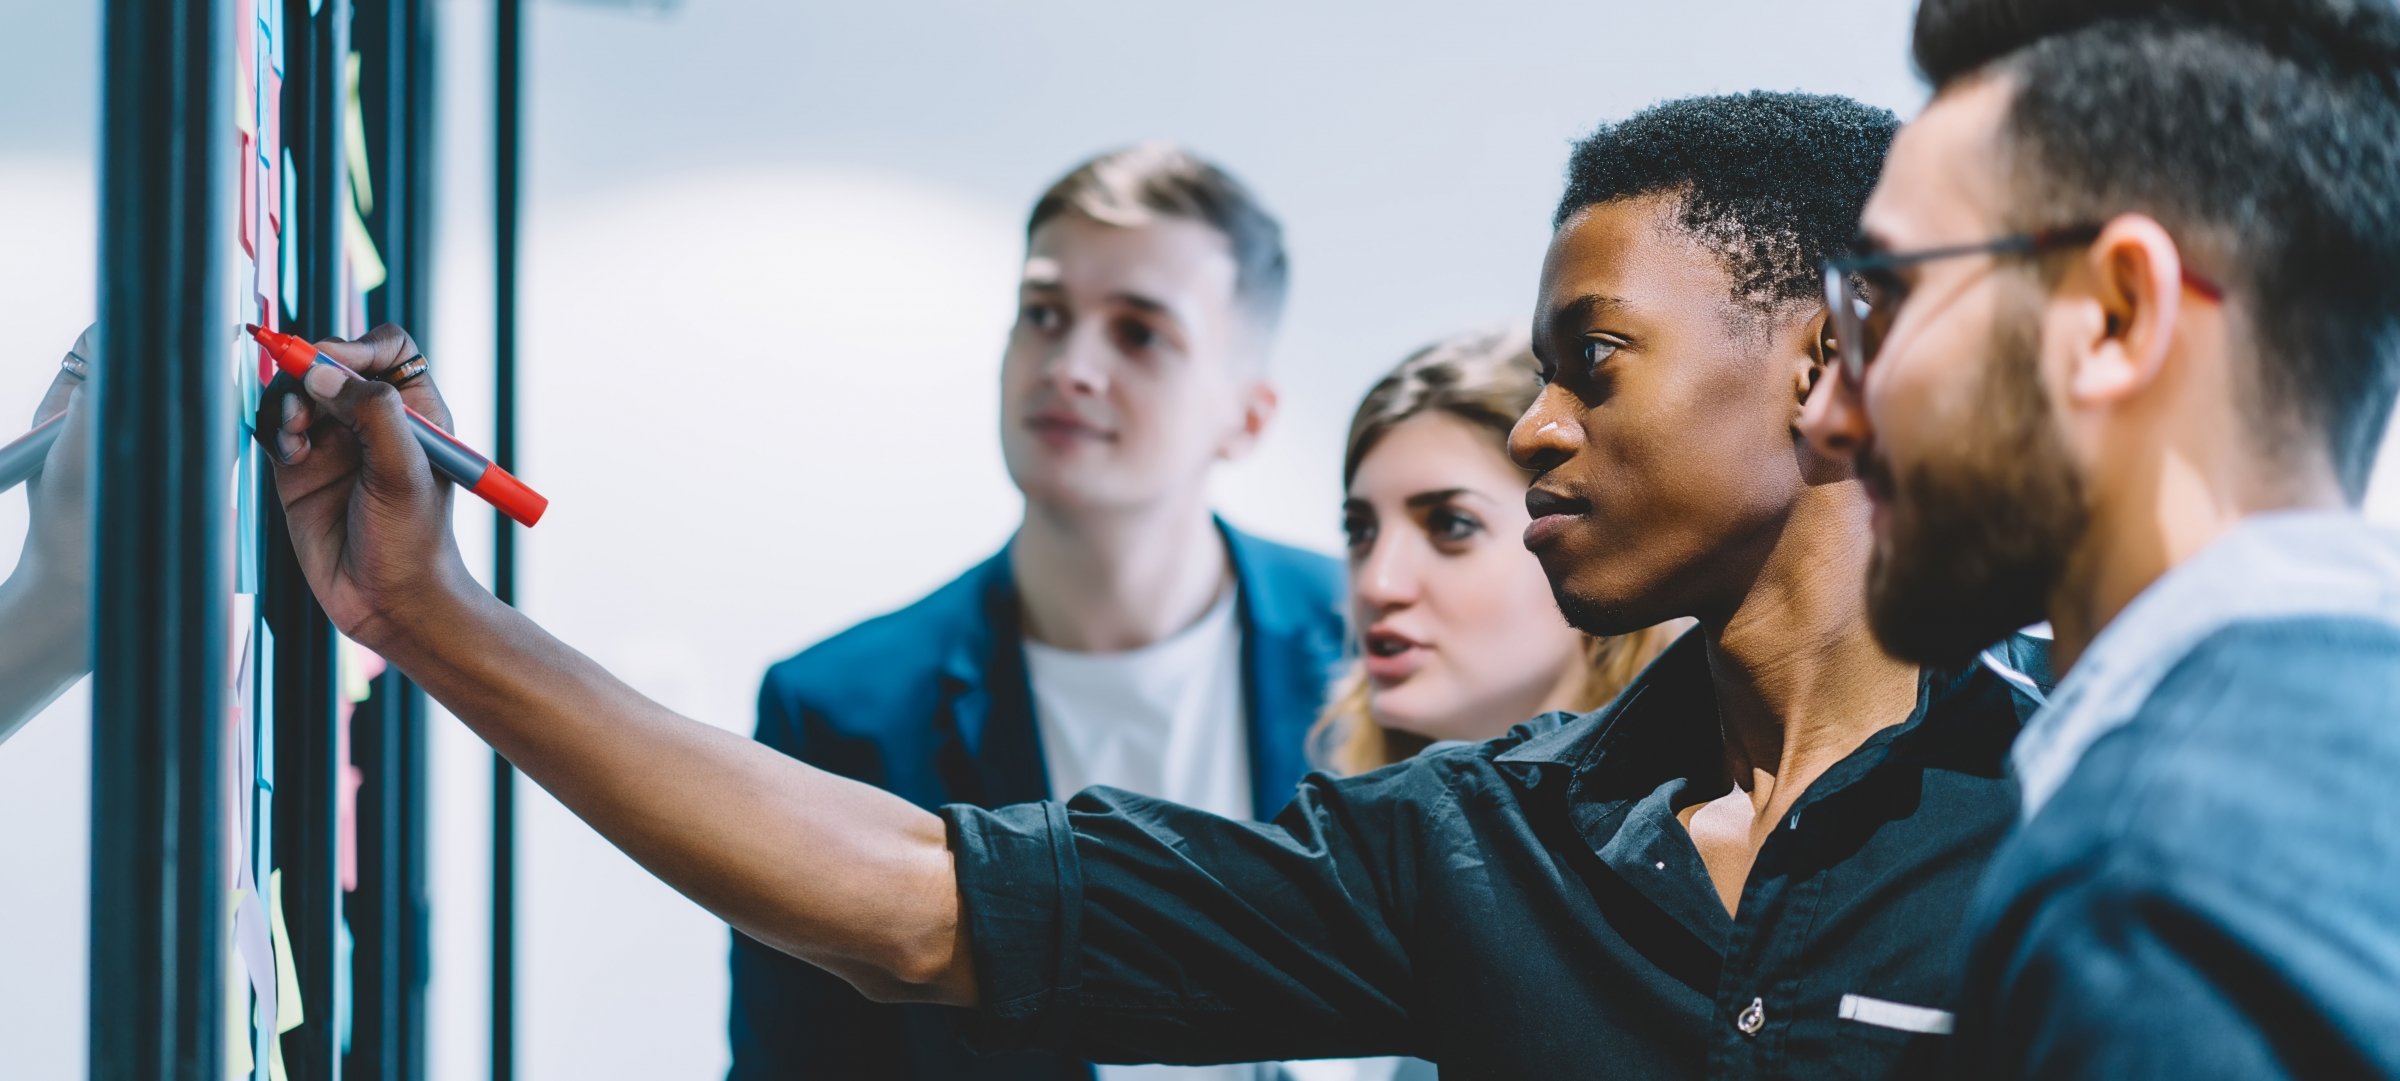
(508, 110)
(159, 885)
(308, 765)
(389, 911)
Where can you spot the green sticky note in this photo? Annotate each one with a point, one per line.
(288, 1014)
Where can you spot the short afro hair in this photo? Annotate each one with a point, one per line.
(2264, 134)
(1772, 182)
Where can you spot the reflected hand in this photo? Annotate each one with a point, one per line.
(369, 520)
(58, 539)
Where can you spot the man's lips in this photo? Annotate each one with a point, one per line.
(1552, 514)
(1062, 427)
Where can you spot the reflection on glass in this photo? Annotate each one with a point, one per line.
(45, 602)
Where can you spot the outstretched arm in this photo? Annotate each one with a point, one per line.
(837, 873)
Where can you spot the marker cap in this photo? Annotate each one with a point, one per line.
(514, 499)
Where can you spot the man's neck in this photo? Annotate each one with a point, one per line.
(2154, 519)
(1113, 580)
(1800, 682)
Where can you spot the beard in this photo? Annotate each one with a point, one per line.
(1980, 529)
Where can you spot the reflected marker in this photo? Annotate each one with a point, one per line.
(450, 458)
(23, 456)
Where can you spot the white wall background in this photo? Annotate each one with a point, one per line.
(770, 253)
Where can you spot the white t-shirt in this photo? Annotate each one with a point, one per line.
(1164, 720)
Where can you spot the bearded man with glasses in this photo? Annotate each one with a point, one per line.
(2147, 413)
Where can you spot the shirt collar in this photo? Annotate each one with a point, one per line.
(2280, 565)
(1664, 727)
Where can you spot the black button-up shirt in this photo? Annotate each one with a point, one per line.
(1525, 908)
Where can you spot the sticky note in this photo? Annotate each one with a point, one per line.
(290, 260)
(345, 811)
(248, 165)
(366, 265)
(245, 99)
(351, 662)
(245, 45)
(356, 124)
(251, 943)
(245, 520)
(237, 1001)
(270, 136)
(288, 1014)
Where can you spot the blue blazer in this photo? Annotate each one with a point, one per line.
(931, 703)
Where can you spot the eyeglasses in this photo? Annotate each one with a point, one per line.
(1864, 292)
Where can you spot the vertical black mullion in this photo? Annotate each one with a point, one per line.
(413, 247)
(507, 105)
(164, 449)
(308, 765)
(386, 732)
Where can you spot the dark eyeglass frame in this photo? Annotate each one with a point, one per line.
(1859, 325)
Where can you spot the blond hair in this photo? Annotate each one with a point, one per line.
(1488, 379)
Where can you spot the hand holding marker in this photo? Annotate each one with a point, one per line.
(450, 458)
(22, 457)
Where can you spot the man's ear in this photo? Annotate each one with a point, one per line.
(2132, 281)
(1258, 403)
(1809, 365)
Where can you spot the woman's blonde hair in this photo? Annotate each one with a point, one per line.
(1488, 379)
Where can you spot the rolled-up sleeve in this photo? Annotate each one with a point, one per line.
(1121, 928)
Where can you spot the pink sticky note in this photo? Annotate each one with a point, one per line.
(345, 815)
(246, 37)
(270, 146)
(249, 170)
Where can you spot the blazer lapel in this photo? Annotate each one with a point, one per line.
(1287, 653)
(992, 753)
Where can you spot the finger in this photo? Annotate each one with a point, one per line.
(284, 418)
(391, 464)
(63, 383)
(379, 353)
(65, 462)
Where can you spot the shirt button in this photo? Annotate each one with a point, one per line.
(1752, 1018)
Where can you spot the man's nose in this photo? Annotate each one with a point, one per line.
(1079, 365)
(1834, 420)
(1547, 434)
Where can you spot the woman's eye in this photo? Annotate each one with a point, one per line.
(1042, 317)
(1450, 525)
(1358, 533)
(1596, 350)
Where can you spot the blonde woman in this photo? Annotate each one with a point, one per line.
(1455, 632)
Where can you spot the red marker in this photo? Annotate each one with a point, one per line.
(451, 458)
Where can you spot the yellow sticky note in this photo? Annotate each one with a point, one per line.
(364, 262)
(288, 1014)
(245, 103)
(354, 124)
(237, 1002)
